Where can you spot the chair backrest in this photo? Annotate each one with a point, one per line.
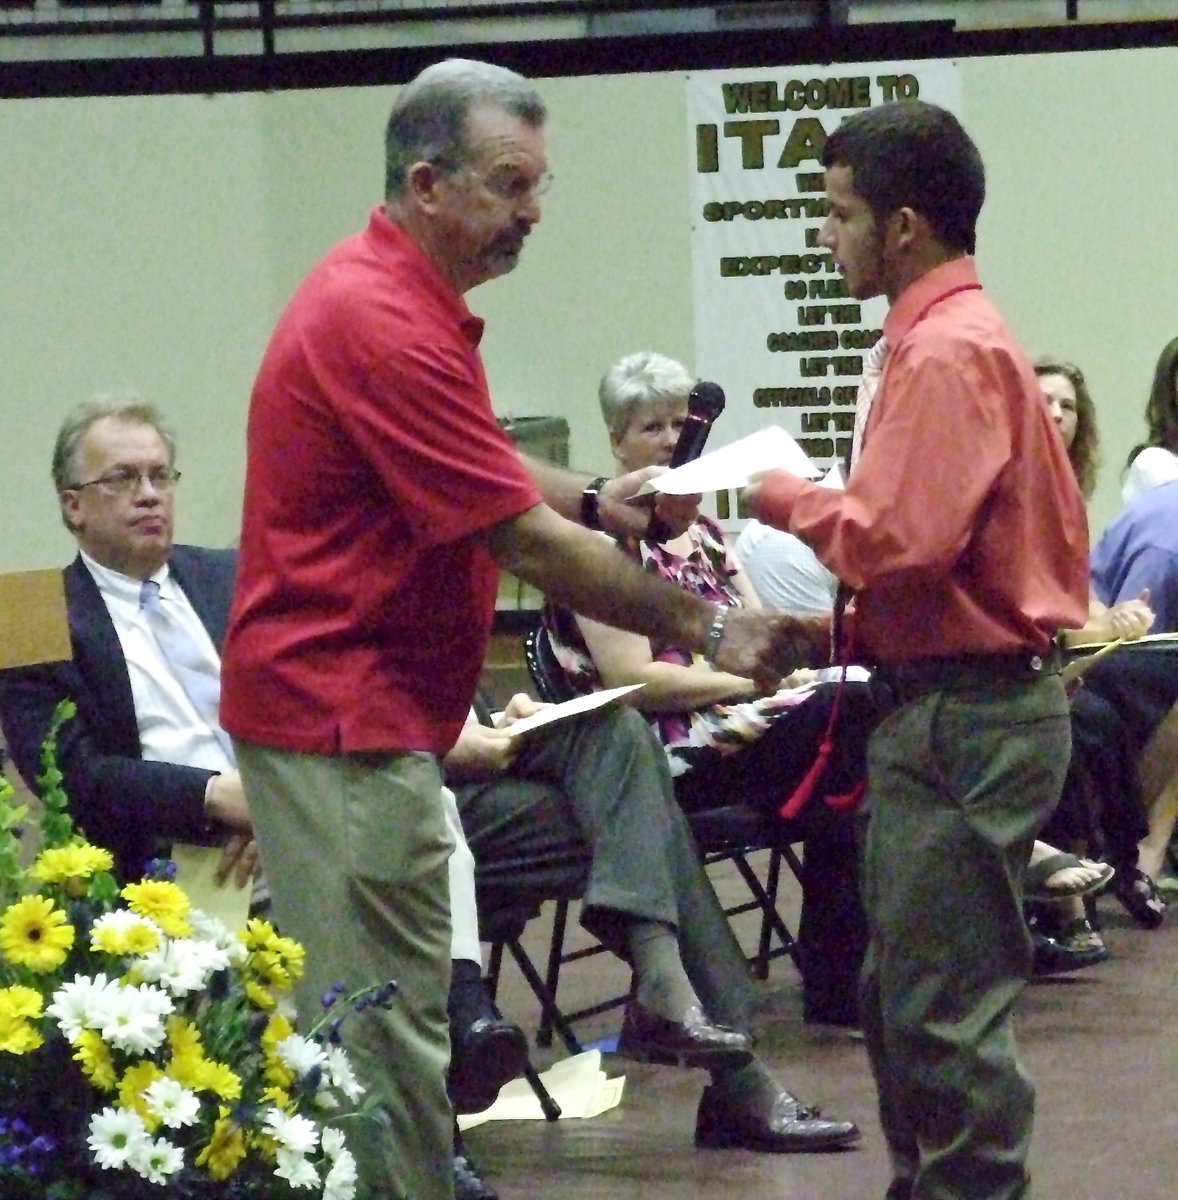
(548, 675)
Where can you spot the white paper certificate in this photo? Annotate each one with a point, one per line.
(570, 708)
(732, 466)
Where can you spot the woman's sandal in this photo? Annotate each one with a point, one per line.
(1139, 894)
(1035, 884)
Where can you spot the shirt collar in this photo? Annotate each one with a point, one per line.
(390, 241)
(916, 299)
(119, 586)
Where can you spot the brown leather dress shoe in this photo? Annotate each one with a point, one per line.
(783, 1126)
(693, 1041)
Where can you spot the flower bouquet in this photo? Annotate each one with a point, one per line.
(145, 1051)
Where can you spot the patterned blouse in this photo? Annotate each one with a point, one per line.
(691, 739)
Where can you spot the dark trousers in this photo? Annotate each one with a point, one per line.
(960, 782)
(1122, 701)
(832, 937)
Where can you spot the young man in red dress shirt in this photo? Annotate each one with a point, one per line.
(963, 537)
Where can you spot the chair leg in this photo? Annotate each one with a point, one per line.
(765, 941)
(494, 969)
(550, 1015)
(548, 1106)
(560, 919)
(768, 909)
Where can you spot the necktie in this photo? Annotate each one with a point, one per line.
(199, 679)
(872, 370)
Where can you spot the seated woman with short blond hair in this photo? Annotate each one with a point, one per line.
(724, 739)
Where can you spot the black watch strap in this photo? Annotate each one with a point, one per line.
(590, 517)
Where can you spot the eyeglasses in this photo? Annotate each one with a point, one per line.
(504, 182)
(513, 186)
(125, 481)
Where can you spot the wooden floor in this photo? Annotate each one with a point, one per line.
(1100, 1045)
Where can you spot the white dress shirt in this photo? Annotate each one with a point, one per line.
(170, 728)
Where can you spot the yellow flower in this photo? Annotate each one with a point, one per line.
(277, 1027)
(188, 1055)
(225, 1150)
(94, 1055)
(135, 1081)
(183, 1038)
(259, 934)
(280, 1098)
(164, 902)
(19, 1006)
(19, 1037)
(212, 1076)
(275, 1070)
(259, 997)
(19, 1001)
(36, 934)
(71, 866)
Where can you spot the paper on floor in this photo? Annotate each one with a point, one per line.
(578, 1084)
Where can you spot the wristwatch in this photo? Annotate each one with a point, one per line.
(590, 517)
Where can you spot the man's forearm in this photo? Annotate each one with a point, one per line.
(562, 489)
(588, 574)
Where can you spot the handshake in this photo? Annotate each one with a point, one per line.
(765, 647)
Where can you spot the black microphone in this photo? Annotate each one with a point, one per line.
(705, 402)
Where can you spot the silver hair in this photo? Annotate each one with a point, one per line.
(119, 406)
(639, 379)
(428, 121)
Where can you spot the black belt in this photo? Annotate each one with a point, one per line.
(963, 671)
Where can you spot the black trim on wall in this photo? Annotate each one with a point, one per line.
(542, 58)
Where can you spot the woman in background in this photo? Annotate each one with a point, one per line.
(1155, 461)
(1106, 803)
(724, 739)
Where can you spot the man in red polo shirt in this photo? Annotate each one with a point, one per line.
(962, 534)
(381, 499)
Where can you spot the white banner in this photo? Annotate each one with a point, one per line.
(774, 326)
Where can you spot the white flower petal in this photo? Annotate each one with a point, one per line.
(116, 1135)
(295, 1169)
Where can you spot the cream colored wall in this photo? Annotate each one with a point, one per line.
(150, 242)
(1078, 242)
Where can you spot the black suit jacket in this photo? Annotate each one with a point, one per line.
(118, 799)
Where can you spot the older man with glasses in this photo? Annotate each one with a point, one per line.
(145, 762)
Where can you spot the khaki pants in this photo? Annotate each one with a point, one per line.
(355, 848)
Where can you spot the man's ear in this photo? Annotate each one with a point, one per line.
(909, 228)
(70, 504)
(422, 182)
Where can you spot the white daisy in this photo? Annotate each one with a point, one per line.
(115, 1135)
(292, 1132)
(119, 925)
(343, 1078)
(133, 1019)
(332, 1141)
(182, 965)
(208, 929)
(295, 1169)
(157, 1160)
(300, 1054)
(80, 1004)
(172, 1102)
(340, 1182)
